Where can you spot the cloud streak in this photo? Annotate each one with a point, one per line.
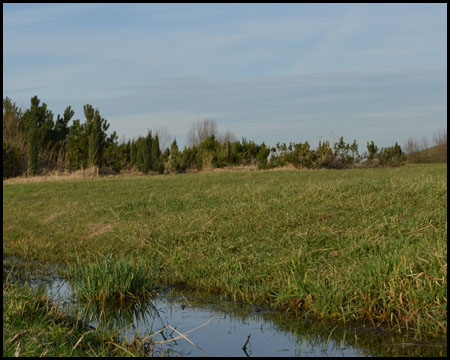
(285, 72)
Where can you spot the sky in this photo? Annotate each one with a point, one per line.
(266, 72)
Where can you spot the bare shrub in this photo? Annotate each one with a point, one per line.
(425, 143)
(201, 130)
(440, 140)
(165, 139)
(440, 137)
(227, 136)
(411, 146)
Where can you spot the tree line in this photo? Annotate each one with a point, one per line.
(35, 142)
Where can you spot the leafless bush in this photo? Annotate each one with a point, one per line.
(420, 152)
(424, 142)
(227, 136)
(165, 139)
(411, 146)
(440, 140)
(440, 137)
(200, 131)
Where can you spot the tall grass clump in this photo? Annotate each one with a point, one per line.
(109, 280)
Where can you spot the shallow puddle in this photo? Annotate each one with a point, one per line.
(219, 327)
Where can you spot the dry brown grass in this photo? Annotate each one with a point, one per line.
(53, 217)
(247, 168)
(231, 168)
(60, 175)
(100, 229)
(92, 172)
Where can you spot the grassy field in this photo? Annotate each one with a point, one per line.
(359, 244)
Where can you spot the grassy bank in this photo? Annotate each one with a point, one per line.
(34, 326)
(434, 154)
(360, 244)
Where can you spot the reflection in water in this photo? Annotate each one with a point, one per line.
(275, 333)
(218, 327)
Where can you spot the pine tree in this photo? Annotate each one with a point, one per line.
(38, 127)
(175, 157)
(156, 154)
(77, 146)
(133, 154)
(112, 155)
(96, 128)
(262, 155)
(373, 151)
(144, 153)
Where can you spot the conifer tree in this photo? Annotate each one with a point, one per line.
(156, 154)
(144, 153)
(148, 152)
(262, 155)
(175, 158)
(112, 155)
(38, 127)
(96, 128)
(133, 154)
(77, 145)
(373, 150)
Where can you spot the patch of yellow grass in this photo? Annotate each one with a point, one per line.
(59, 175)
(100, 229)
(53, 217)
(94, 172)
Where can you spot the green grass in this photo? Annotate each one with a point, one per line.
(34, 326)
(109, 280)
(359, 244)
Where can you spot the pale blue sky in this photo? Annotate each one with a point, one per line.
(267, 72)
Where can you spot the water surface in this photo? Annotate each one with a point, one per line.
(223, 327)
(220, 327)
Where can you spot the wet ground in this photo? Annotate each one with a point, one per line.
(189, 324)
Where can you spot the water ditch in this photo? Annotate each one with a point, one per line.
(218, 327)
